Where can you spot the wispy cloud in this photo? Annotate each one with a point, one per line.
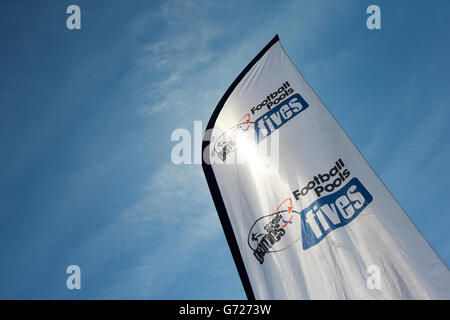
(159, 233)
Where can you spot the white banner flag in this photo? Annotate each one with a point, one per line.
(304, 214)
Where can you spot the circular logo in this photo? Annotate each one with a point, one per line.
(227, 141)
(274, 233)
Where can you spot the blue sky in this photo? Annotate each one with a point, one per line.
(86, 118)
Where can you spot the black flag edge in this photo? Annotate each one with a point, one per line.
(212, 182)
